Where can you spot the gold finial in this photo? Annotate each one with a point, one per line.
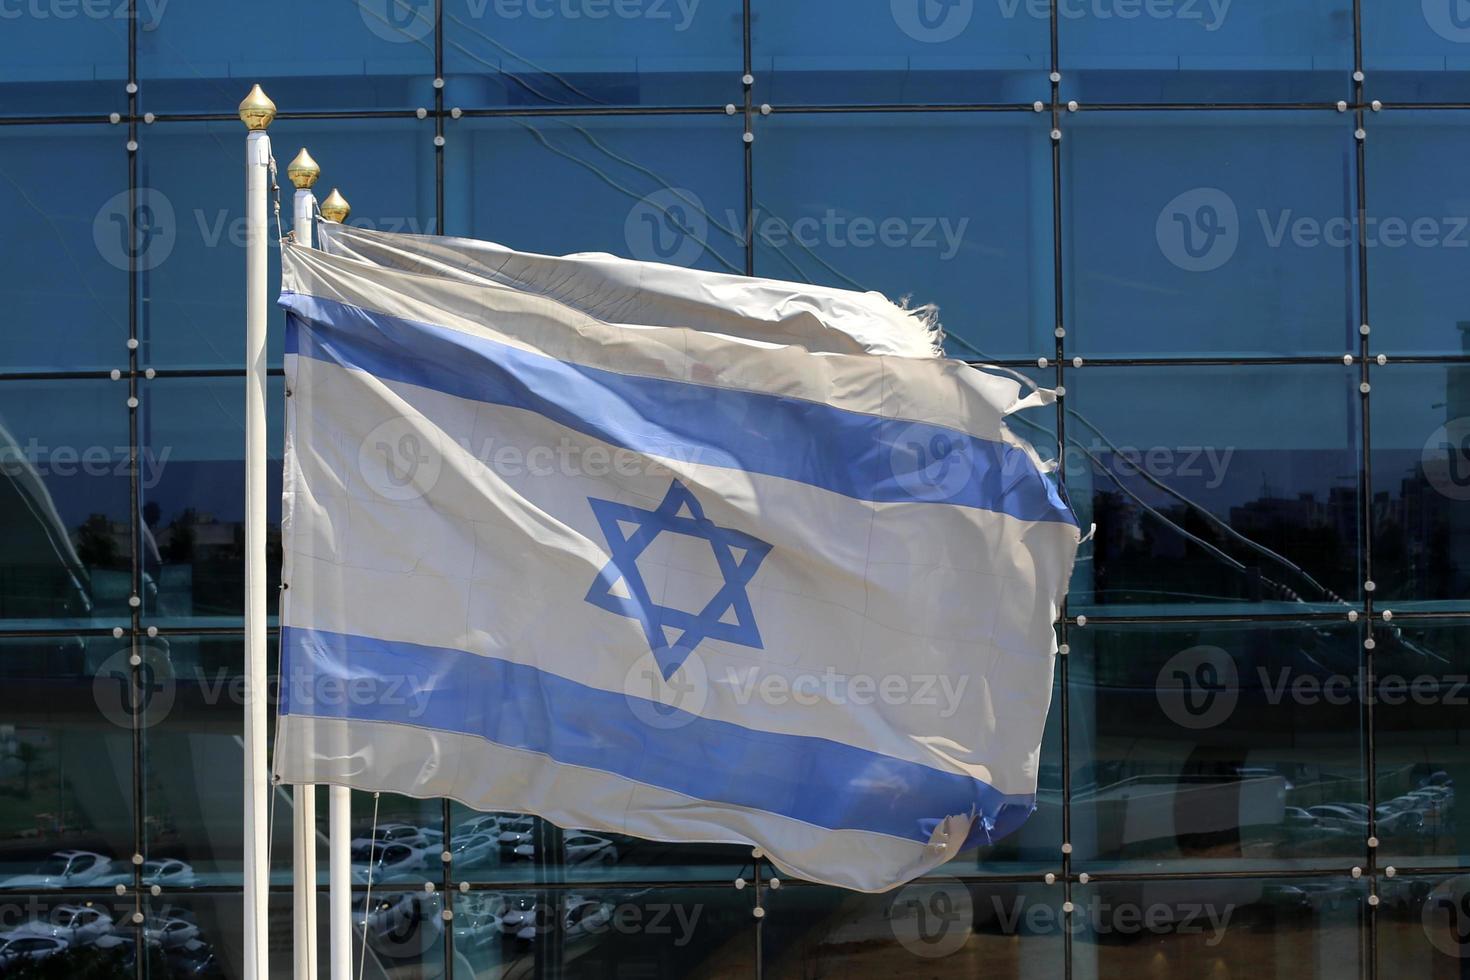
(335, 207)
(303, 171)
(257, 110)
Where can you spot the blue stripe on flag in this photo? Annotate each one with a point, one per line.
(814, 780)
(857, 455)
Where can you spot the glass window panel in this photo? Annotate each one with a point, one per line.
(663, 189)
(1307, 928)
(204, 56)
(1206, 51)
(1421, 485)
(80, 934)
(66, 763)
(903, 51)
(192, 285)
(1422, 689)
(1419, 241)
(1420, 926)
(64, 478)
(592, 52)
(1244, 493)
(191, 434)
(1210, 233)
(66, 58)
(63, 267)
(935, 928)
(609, 931)
(939, 236)
(1416, 52)
(1216, 746)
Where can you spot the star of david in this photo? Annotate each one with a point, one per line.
(674, 633)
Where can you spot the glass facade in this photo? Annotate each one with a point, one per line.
(1234, 233)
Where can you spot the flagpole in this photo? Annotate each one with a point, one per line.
(303, 172)
(339, 798)
(256, 111)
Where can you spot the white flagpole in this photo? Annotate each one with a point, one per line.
(256, 112)
(303, 172)
(339, 798)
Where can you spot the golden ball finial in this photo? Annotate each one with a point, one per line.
(335, 207)
(303, 171)
(257, 110)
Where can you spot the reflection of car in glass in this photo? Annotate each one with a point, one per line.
(169, 933)
(475, 848)
(164, 872)
(516, 831)
(15, 949)
(194, 959)
(402, 925)
(519, 913)
(483, 823)
(384, 862)
(1339, 818)
(580, 848)
(64, 869)
(478, 929)
(401, 833)
(586, 917)
(77, 924)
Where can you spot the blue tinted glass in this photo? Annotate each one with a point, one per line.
(191, 447)
(1416, 52)
(1305, 928)
(660, 189)
(64, 476)
(204, 56)
(66, 58)
(192, 247)
(63, 269)
(900, 51)
(1037, 845)
(1210, 233)
(937, 929)
(1421, 485)
(1421, 690)
(1241, 489)
(68, 762)
(592, 52)
(935, 234)
(1419, 239)
(1205, 50)
(1216, 746)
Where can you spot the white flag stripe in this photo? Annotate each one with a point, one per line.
(626, 292)
(385, 552)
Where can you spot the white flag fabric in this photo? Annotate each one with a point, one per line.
(659, 582)
(631, 293)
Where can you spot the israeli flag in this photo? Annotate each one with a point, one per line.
(660, 581)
